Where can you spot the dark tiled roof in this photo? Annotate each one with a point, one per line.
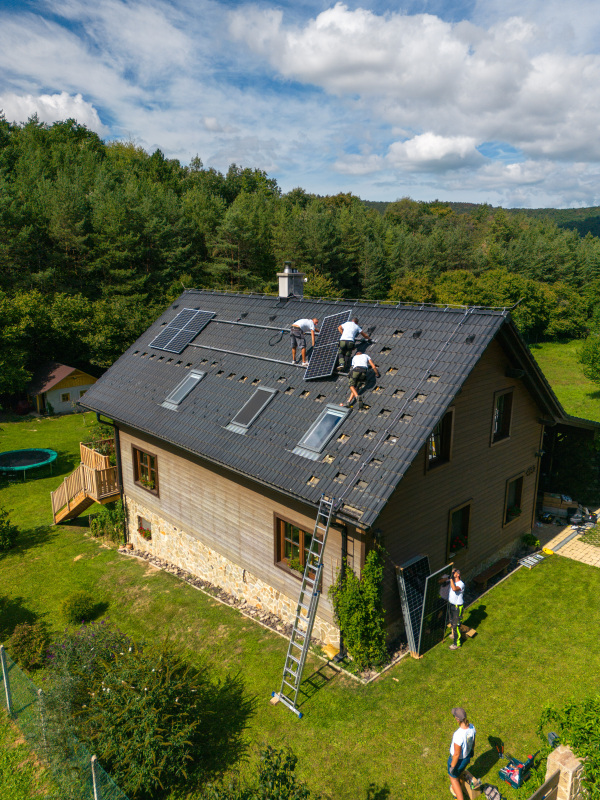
(372, 448)
(47, 376)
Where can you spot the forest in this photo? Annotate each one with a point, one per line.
(96, 238)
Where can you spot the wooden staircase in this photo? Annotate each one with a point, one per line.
(94, 481)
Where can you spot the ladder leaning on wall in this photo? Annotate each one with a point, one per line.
(306, 609)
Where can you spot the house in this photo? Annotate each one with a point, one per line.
(55, 388)
(225, 449)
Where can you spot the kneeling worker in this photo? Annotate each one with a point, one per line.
(299, 328)
(358, 376)
(348, 333)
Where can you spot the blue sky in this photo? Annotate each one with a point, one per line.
(480, 101)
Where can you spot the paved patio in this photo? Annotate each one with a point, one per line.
(551, 535)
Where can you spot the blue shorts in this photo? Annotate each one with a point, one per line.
(461, 765)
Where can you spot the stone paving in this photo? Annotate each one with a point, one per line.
(551, 535)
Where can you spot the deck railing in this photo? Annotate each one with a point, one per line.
(92, 456)
(85, 481)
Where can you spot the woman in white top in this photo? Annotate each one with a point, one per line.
(462, 748)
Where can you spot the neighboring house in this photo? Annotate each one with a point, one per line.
(443, 460)
(57, 387)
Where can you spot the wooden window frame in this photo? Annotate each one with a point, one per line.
(467, 504)
(507, 427)
(505, 518)
(65, 397)
(435, 463)
(136, 452)
(279, 523)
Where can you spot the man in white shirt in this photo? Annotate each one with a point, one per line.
(348, 333)
(299, 328)
(462, 748)
(455, 606)
(357, 376)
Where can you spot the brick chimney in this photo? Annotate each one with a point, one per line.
(291, 282)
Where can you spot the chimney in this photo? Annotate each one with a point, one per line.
(291, 282)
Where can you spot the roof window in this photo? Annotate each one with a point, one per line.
(321, 431)
(181, 391)
(251, 410)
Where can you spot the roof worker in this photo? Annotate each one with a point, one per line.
(299, 328)
(357, 377)
(348, 333)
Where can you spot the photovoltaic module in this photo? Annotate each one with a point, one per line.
(324, 353)
(181, 330)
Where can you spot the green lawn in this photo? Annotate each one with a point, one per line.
(388, 740)
(579, 396)
(21, 775)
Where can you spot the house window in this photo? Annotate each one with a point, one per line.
(440, 441)
(144, 528)
(82, 392)
(65, 397)
(251, 410)
(181, 391)
(514, 499)
(321, 431)
(458, 529)
(145, 470)
(502, 415)
(292, 545)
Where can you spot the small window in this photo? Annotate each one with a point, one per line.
(65, 397)
(514, 499)
(292, 544)
(181, 391)
(144, 528)
(82, 392)
(458, 529)
(502, 415)
(313, 442)
(439, 444)
(251, 410)
(145, 470)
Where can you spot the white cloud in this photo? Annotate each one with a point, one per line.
(51, 108)
(431, 152)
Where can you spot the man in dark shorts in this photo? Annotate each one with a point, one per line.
(357, 377)
(348, 333)
(299, 328)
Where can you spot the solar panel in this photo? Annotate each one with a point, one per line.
(412, 578)
(324, 353)
(435, 610)
(181, 330)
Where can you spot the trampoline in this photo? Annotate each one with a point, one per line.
(14, 462)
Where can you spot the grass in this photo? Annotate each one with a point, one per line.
(592, 536)
(578, 395)
(22, 777)
(388, 740)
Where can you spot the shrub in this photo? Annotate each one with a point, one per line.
(78, 607)
(530, 540)
(109, 522)
(8, 531)
(28, 644)
(358, 608)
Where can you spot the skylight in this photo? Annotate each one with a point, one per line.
(314, 440)
(181, 391)
(251, 410)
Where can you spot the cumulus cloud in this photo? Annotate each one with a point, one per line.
(51, 108)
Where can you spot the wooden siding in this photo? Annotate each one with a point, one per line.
(415, 520)
(230, 514)
(76, 378)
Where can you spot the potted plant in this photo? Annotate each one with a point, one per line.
(146, 533)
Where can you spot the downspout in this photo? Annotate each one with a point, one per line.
(119, 468)
(342, 653)
(538, 456)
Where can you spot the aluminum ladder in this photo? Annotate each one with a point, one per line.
(306, 610)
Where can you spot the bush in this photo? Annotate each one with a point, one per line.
(28, 644)
(78, 607)
(109, 522)
(358, 608)
(8, 531)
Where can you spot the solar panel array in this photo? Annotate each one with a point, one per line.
(324, 353)
(435, 611)
(412, 579)
(181, 330)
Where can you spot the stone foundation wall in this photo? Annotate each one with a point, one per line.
(187, 552)
(571, 770)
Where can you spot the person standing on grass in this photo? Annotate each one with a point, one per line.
(456, 605)
(462, 748)
(299, 328)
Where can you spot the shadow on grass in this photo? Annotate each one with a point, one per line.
(593, 395)
(375, 792)
(29, 540)
(476, 617)
(315, 682)
(489, 759)
(13, 613)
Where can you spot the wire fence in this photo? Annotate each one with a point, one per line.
(74, 769)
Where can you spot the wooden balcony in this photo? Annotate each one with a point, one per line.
(94, 481)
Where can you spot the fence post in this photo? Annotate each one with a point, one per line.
(95, 779)
(6, 680)
(42, 717)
